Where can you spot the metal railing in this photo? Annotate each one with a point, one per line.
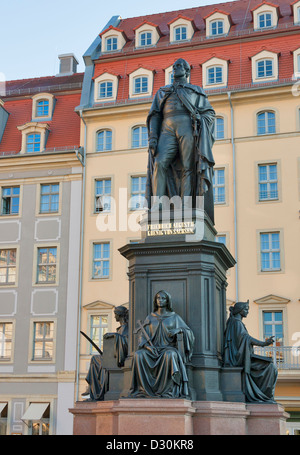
(285, 357)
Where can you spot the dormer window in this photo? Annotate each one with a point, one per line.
(34, 137)
(215, 73)
(146, 34)
(217, 23)
(296, 11)
(33, 143)
(216, 28)
(265, 20)
(181, 29)
(106, 87)
(111, 44)
(265, 15)
(112, 39)
(264, 66)
(140, 83)
(180, 33)
(145, 39)
(42, 106)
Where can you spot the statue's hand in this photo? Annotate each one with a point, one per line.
(108, 335)
(153, 146)
(269, 341)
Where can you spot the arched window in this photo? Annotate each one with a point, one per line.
(33, 143)
(266, 122)
(215, 75)
(145, 38)
(104, 141)
(265, 20)
(180, 33)
(111, 43)
(217, 28)
(264, 68)
(42, 108)
(140, 85)
(219, 128)
(106, 89)
(139, 137)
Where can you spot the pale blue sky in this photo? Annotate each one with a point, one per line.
(34, 32)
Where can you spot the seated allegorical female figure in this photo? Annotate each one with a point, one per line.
(259, 372)
(165, 345)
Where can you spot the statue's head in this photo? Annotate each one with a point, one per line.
(121, 313)
(240, 308)
(184, 64)
(165, 295)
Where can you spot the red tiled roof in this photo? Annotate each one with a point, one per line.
(64, 126)
(239, 10)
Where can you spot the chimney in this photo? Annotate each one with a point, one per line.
(68, 64)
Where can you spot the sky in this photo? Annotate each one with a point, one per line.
(34, 32)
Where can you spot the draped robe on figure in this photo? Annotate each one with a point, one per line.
(162, 374)
(260, 373)
(195, 101)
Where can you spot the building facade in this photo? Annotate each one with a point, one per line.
(40, 222)
(247, 60)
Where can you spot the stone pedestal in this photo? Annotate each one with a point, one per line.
(177, 417)
(180, 255)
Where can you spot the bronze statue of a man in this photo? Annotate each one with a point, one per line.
(181, 135)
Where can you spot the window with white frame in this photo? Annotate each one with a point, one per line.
(43, 340)
(102, 195)
(140, 85)
(219, 186)
(8, 266)
(270, 251)
(104, 141)
(42, 108)
(105, 89)
(46, 265)
(138, 189)
(266, 122)
(6, 331)
(219, 128)
(10, 200)
(264, 68)
(111, 43)
(214, 75)
(101, 260)
(268, 182)
(145, 38)
(49, 198)
(139, 137)
(216, 27)
(265, 20)
(33, 143)
(180, 33)
(98, 328)
(273, 326)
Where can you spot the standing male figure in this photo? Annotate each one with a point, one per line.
(181, 135)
